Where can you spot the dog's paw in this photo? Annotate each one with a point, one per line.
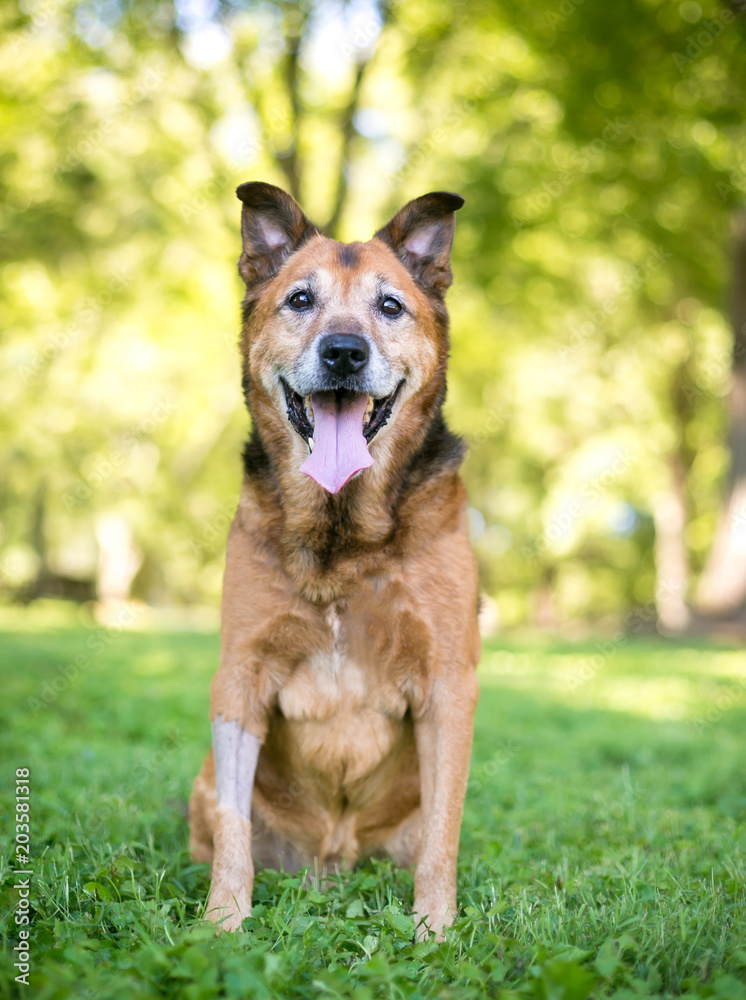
(228, 908)
(432, 917)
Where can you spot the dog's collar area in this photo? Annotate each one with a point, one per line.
(300, 412)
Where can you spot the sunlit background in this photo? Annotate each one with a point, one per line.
(598, 364)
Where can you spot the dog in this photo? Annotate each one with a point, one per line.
(342, 708)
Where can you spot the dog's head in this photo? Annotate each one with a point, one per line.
(344, 344)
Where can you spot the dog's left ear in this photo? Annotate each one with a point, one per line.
(272, 227)
(421, 236)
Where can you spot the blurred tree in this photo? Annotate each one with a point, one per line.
(722, 589)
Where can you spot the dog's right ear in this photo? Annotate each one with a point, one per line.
(272, 227)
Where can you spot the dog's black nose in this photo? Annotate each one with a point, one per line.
(343, 353)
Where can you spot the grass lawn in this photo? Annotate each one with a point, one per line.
(602, 851)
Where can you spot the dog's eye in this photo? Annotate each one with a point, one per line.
(391, 306)
(300, 301)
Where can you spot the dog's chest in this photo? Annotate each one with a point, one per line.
(335, 681)
(345, 716)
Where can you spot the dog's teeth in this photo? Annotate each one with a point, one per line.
(309, 408)
(368, 409)
(310, 444)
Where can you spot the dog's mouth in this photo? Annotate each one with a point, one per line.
(337, 425)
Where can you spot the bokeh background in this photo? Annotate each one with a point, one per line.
(598, 312)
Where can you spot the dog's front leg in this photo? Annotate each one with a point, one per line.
(236, 752)
(444, 736)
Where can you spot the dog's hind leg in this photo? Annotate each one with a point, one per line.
(202, 806)
(404, 842)
(271, 850)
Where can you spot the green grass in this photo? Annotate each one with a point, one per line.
(602, 851)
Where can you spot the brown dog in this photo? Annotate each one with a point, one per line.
(342, 710)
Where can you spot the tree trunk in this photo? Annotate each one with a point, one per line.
(722, 588)
(671, 563)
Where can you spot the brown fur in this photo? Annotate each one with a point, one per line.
(349, 635)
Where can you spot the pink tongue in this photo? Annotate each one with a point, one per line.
(339, 447)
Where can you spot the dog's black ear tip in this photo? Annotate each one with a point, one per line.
(254, 192)
(243, 191)
(447, 199)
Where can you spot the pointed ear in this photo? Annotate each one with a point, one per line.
(272, 227)
(421, 236)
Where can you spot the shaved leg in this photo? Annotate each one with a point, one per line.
(236, 753)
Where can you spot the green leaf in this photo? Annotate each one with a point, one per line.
(573, 954)
(607, 960)
(400, 923)
(560, 980)
(497, 971)
(98, 890)
(355, 909)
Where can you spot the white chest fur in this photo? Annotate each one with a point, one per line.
(330, 682)
(346, 717)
